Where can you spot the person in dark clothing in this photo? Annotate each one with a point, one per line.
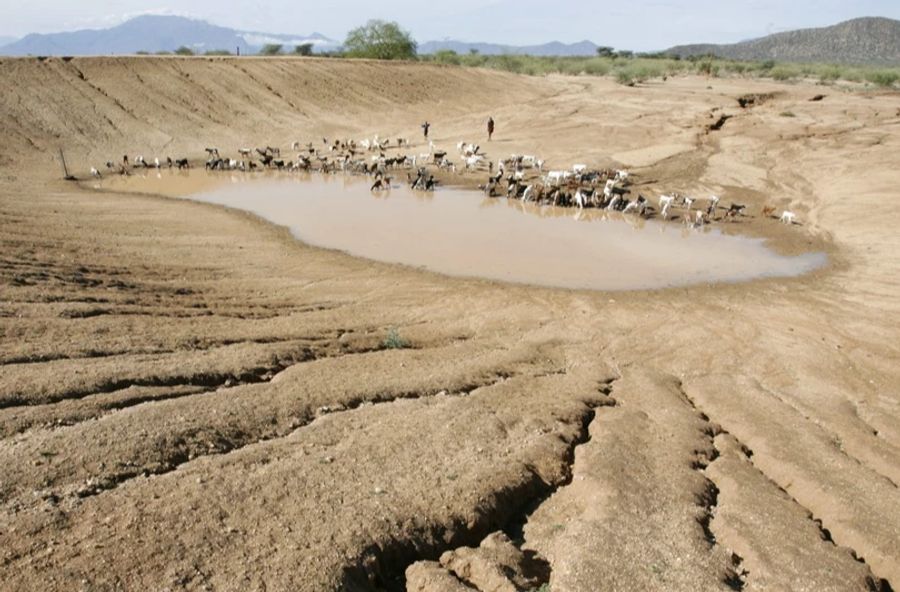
(425, 127)
(490, 126)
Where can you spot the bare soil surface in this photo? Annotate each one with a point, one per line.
(191, 399)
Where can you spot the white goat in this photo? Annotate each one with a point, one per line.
(557, 177)
(608, 188)
(788, 217)
(580, 199)
(665, 202)
(528, 193)
(473, 161)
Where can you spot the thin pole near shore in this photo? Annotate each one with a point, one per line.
(62, 161)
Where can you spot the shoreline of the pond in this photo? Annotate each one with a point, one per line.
(826, 263)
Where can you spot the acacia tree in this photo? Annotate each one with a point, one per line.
(304, 49)
(380, 40)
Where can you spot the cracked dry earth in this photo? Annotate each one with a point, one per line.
(192, 400)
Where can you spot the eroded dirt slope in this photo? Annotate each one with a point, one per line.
(189, 399)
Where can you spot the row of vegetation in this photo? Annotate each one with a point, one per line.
(272, 49)
(637, 68)
(387, 41)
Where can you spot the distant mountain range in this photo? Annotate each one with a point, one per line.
(860, 41)
(554, 48)
(154, 33)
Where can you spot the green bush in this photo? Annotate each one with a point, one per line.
(596, 67)
(625, 77)
(304, 49)
(883, 78)
(447, 56)
(271, 49)
(830, 74)
(784, 72)
(184, 51)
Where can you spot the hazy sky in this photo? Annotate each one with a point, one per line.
(625, 24)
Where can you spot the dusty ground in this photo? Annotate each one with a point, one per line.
(189, 399)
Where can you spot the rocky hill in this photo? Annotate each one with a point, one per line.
(860, 41)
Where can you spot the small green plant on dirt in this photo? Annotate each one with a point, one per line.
(838, 443)
(394, 340)
(788, 114)
(543, 588)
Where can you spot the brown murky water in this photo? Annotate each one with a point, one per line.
(461, 233)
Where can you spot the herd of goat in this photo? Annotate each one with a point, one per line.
(518, 177)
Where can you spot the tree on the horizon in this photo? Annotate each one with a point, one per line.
(380, 40)
(184, 50)
(304, 49)
(606, 51)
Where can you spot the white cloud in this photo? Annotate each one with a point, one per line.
(111, 20)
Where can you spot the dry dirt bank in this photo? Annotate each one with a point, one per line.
(191, 400)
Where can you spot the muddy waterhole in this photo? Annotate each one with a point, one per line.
(461, 232)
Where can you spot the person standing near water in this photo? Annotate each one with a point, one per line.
(425, 127)
(490, 126)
